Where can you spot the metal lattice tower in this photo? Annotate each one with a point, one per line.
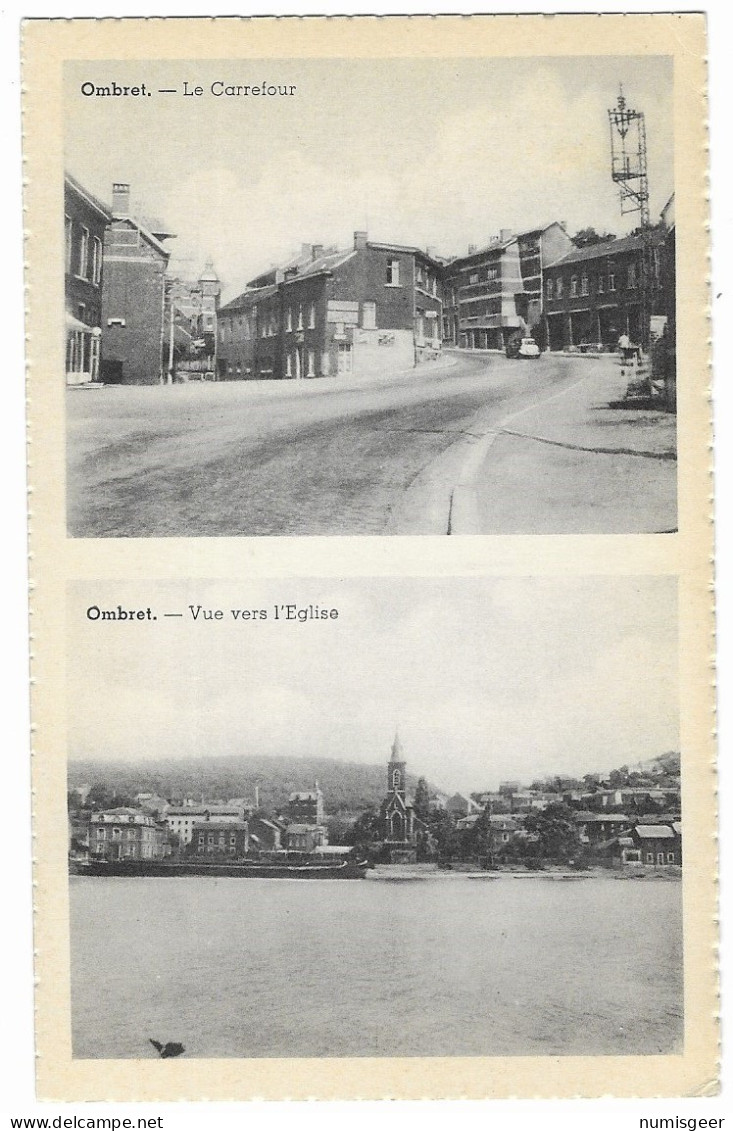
(628, 158)
(629, 172)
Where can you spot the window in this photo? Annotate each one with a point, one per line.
(289, 323)
(584, 285)
(96, 261)
(101, 834)
(631, 277)
(660, 858)
(83, 254)
(670, 857)
(549, 288)
(369, 315)
(492, 273)
(312, 316)
(558, 286)
(210, 839)
(233, 839)
(393, 272)
(116, 834)
(68, 233)
(574, 285)
(473, 278)
(611, 281)
(201, 840)
(601, 284)
(650, 857)
(288, 365)
(311, 363)
(419, 275)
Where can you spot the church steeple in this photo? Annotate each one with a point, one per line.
(396, 768)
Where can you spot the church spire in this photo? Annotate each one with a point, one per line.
(397, 747)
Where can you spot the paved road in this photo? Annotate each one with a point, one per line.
(306, 458)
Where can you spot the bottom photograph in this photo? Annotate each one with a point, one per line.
(375, 818)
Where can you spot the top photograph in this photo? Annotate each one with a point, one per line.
(387, 296)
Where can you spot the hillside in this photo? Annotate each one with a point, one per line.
(347, 787)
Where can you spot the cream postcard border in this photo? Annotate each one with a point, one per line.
(55, 559)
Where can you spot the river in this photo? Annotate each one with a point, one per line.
(315, 968)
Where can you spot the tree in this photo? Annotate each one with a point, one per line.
(421, 801)
(557, 833)
(587, 237)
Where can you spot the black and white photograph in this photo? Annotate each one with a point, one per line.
(381, 296)
(375, 818)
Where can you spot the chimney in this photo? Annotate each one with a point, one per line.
(431, 252)
(472, 249)
(305, 250)
(360, 240)
(120, 199)
(563, 224)
(279, 275)
(317, 251)
(505, 234)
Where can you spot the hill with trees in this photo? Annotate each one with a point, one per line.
(347, 787)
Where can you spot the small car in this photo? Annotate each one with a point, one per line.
(528, 348)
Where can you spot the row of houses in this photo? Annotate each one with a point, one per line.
(155, 829)
(652, 840)
(368, 308)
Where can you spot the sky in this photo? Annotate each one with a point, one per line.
(486, 679)
(435, 153)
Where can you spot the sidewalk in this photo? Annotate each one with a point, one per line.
(581, 462)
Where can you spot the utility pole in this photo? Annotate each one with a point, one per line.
(629, 172)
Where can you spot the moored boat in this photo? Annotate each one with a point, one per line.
(245, 869)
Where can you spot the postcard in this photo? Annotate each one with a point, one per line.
(371, 617)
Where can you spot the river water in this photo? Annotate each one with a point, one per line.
(439, 967)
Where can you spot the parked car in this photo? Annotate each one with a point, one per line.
(528, 348)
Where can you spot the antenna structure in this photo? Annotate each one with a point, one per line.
(629, 158)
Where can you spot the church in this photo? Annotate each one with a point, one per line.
(397, 820)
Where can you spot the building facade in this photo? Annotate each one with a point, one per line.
(496, 292)
(593, 295)
(86, 220)
(219, 838)
(374, 308)
(133, 296)
(126, 834)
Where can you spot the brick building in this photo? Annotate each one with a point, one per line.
(85, 222)
(373, 308)
(219, 838)
(133, 296)
(126, 834)
(593, 294)
(496, 292)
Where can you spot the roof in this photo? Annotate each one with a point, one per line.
(146, 233)
(224, 826)
(599, 818)
(609, 247)
(301, 828)
(318, 266)
(306, 795)
(499, 244)
(655, 832)
(406, 250)
(247, 299)
(87, 196)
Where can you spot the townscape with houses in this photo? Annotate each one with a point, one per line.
(631, 817)
(371, 307)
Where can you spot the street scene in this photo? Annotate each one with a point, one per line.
(524, 383)
(466, 445)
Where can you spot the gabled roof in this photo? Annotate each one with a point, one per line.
(655, 832)
(88, 197)
(145, 233)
